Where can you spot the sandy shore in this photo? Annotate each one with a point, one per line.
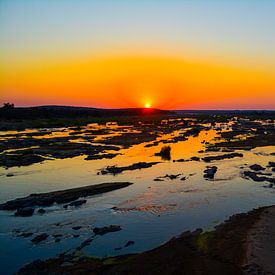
(245, 244)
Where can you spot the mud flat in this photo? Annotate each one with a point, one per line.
(63, 196)
(244, 244)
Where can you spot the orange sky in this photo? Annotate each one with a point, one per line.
(168, 83)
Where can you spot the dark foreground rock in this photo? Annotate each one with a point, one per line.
(210, 172)
(225, 250)
(39, 238)
(136, 166)
(221, 157)
(24, 212)
(258, 177)
(256, 167)
(63, 196)
(106, 229)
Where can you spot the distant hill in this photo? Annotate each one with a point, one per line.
(56, 111)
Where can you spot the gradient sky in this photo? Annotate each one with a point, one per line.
(194, 54)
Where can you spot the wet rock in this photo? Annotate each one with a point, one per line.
(253, 176)
(76, 227)
(136, 166)
(17, 159)
(165, 153)
(10, 175)
(158, 179)
(26, 234)
(171, 177)
(75, 203)
(118, 248)
(101, 156)
(106, 229)
(195, 158)
(39, 238)
(210, 172)
(24, 212)
(256, 167)
(41, 211)
(76, 235)
(57, 240)
(63, 196)
(129, 243)
(221, 157)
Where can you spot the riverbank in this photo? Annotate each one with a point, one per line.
(242, 245)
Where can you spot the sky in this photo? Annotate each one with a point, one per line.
(189, 54)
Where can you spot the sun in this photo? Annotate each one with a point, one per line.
(147, 105)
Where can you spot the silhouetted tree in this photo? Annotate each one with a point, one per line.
(8, 106)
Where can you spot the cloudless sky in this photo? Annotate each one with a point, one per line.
(209, 54)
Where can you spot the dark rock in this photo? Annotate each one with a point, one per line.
(195, 158)
(221, 157)
(271, 164)
(210, 172)
(39, 238)
(41, 211)
(26, 234)
(76, 227)
(165, 153)
(64, 196)
(106, 229)
(129, 243)
(136, 166)
(253, 176)
(75, 203)
(24, 212)
(256, 167)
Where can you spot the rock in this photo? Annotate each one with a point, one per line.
(158, 179)
(75, 203)
(136, 166)
(76, 227)
(195, 158)
(271, 164)
(253, 176)
(57, 240)
(165, 153)
(24, 212)
(106, 229)
(41, 211)
(221, 157)
(39, 238)
(26, 234)
(129, 243)
(10, 175)
(210, 172)
(256, 167)
(63, 196)
(76, 235)
(183, 178)
(118, 248)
